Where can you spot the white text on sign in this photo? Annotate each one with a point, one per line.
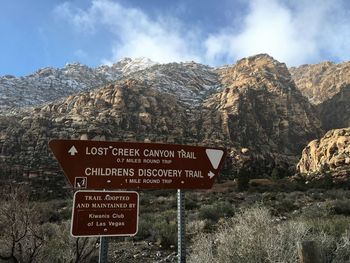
(131, 152)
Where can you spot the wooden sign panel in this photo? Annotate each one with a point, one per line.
(125, 165)
(104, 213)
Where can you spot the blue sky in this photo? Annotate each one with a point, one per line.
(42, 33)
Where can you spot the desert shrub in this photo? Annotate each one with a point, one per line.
(284, 205)
(54, 210)
(60, 246)
(276, 174)
(324, 181)
(145, 199)
(340, 207)
(331, 225)
(251, 236)
(226, 173)
(216, 211)
(255, 236)
(195, 227)
(24, 237)
(243, 178)
(165, 233)
(150, 203)
(342, 251)
(191, 203)
(202, 251)
(145, 225)
(160, 227)
(330, 232)
(21, 238)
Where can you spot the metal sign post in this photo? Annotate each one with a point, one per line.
(124, 165)
(103, 251)
(181, 227)
(104, 214)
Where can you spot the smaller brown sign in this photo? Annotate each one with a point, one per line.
(104, 213)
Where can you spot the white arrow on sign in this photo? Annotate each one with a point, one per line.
(214, 156)
(73, 150)
(211, 174)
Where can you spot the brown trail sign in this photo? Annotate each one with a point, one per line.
(104, 213)
(126, 165)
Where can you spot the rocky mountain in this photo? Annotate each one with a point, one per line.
(335, 112)
(49, 84)
(327, 86)
(331, 153)
(252, 108)
(320, 82)
(261, 110)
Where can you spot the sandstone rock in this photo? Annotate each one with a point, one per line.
(260, 108)
(330, 153)
(49, 84)
(335, 112)
(320, 82)
(253, 105)
(326, 85)
(244, 150)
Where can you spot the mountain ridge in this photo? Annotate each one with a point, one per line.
(253, 108)
(49, 84)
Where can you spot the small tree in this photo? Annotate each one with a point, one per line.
(60, 246)
(243, 178)
(20, 238)
(23, 238)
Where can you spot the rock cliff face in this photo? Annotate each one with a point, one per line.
(331, 153)
(335, 112)
(260, 109)
(49, 84)
(327, 86)
(320, 82)
(252, 108)
(159, 103)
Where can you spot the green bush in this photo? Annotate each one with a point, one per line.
(285, 205)
(341, 207)
(27, 236)
(242, 183)
(255, 236)
(216, 211)
(161, 228)
(342, 251)
(331, 225)
(165, 233)
(251, 236)
(275, 174)
(54, 210)
(191, 203)
(60, 246)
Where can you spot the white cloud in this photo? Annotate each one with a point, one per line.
(295, 32)
(136, 34)
(80, 19)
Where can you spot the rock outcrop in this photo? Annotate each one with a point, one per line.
(49, 84)
(335, 112)
(320, 82)
(252, 108)
(327, 86)
(331, 153)
(158, 103)
(259, 108)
